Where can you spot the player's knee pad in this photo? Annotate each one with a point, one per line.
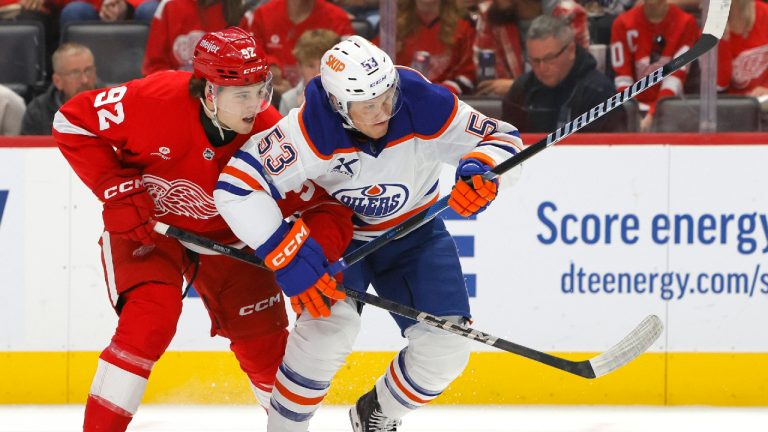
(435, 357)
(317, 347)
(148, 320)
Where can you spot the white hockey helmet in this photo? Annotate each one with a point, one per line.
(356, 70)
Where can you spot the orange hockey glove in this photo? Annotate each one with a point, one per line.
(300, 268)
(473, 197)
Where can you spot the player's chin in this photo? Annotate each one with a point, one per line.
(244, 125)
(377, 130)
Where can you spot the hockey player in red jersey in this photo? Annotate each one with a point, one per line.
(152, 149)
(645, 38)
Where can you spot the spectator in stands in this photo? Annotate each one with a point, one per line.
(645, 38)
(436, 27)
(179, 24)
(11, 111)
(74, 71)
(107, 11)
(277, 25)
(562, 85)
(310, 47)
(743, 51)
(501, 25)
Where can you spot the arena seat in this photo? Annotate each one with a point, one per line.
(22, 56)
(734, 114)
(490, 106)
(363, 27)
(118, 48)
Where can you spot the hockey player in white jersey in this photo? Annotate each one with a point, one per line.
(375, 136)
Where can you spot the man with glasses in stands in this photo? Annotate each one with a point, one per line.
(563, 83)
(74, 71)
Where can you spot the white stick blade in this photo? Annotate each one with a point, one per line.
(629, 348)
(717, 17)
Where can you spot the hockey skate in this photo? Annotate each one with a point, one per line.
(366, 415)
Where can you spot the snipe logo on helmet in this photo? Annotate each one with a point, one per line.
(209, 46)
(335, 64)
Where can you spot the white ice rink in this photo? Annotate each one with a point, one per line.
(478, 418)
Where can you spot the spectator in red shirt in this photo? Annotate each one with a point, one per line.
(643, 39)
(500, 27)
(277, 25)
(743, 52)
(436, 27)
(179, 24)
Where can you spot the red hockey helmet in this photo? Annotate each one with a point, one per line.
(230, 57)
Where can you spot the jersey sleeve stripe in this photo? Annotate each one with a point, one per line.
(62, 125)
(511, 149)
(251, 161)
(229, 187)
(491, 139)
(242, 176)
(482, 157)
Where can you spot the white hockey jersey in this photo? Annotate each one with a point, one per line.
(383, 181)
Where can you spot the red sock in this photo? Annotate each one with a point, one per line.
(102, 416)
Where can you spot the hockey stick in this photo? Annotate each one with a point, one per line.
(717, 18)
(634, 344)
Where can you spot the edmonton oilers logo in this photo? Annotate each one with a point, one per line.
(376, 201)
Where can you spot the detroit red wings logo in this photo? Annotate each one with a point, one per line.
(180, 197)
(749, 65)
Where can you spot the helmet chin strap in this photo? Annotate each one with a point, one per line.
(213, 114)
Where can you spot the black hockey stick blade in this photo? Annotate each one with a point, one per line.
(717, 17)
(622, 353)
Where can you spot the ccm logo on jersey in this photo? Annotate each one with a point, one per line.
(335, 64)
(121, 188)
(287, 248)
(260, 306)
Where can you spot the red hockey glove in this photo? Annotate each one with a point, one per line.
(129, 212)
(473, 197)
(300, 268)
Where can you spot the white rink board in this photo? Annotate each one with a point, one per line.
(53, 298)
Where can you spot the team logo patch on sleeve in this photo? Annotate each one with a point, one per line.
(375, 201)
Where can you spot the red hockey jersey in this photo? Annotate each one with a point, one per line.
(270, 25)
(743, 60)
(175, 30)
(639, 46)
(152, 125)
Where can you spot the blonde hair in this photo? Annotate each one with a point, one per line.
(66, 49)
(312, 44)
(408, 21)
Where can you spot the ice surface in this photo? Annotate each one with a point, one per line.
(476, 418)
